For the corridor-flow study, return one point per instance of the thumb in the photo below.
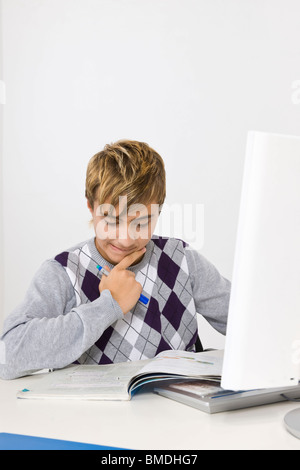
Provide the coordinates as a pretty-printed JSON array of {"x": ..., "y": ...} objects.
[
  {"x": 103, "y": 277},
  {"x": 103, "y": 268}
]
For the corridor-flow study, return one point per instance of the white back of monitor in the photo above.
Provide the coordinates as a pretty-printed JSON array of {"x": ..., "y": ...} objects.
[{"x": 262, "y": 347}]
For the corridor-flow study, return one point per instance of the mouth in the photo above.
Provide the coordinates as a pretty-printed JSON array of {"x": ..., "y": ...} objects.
[{"x": 119, "y": 250}]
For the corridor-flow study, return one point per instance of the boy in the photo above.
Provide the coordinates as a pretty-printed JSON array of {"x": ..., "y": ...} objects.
[{"x": 73, "y": 314}]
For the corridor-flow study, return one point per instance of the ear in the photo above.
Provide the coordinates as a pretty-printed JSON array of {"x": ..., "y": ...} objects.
[{"x": 89, "y": 206}]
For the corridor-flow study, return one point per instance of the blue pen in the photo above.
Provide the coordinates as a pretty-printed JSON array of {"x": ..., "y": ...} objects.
[{"x": 142, "y": 298}]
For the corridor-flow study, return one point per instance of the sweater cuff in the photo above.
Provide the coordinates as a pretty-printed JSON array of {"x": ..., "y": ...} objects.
[{"x": 117, "y": 309}]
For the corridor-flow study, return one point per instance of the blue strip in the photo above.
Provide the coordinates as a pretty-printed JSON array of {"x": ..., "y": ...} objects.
[{"x": 21, "y": 442}]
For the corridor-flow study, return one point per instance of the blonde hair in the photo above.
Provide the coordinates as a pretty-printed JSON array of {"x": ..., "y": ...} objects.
[{"x": 126, "y": 167}]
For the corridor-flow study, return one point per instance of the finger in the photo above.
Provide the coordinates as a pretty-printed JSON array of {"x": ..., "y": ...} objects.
[
  {"x": 129, "y": 259},
  {"x": 105, "y": 270}
]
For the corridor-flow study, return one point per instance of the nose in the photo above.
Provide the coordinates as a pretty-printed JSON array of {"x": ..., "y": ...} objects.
[{"x": 126, "y": 238}]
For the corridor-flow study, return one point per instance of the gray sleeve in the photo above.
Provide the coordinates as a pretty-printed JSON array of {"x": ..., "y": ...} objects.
[
  {"x": 47, "y": 330},
  {"x": 211, "y": 291}
]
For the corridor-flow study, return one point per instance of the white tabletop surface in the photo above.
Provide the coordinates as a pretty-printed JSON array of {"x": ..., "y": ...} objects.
[{"x": 147, "y": 422}]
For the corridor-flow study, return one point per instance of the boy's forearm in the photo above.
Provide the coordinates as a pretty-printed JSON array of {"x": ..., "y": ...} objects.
[
  {"x": 56, "y": 342},
  {"x": 211, "y": 291}
]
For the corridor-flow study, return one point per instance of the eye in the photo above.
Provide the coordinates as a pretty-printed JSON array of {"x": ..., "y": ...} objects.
[
  {"x": 110, "y": 224},
  {"x": 142, "y": 225}
]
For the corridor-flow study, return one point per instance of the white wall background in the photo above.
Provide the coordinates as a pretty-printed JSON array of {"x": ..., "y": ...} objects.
[{"x": 190, "y": 77}]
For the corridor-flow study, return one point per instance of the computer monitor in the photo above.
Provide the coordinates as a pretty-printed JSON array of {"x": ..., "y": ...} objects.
[{"x": 262, "y": 346}]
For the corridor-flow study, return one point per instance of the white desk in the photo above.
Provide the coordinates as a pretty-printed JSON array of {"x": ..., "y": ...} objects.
[{"x": 147, "y": 422}]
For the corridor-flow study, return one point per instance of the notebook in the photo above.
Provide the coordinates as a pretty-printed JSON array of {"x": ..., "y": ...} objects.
[
  {"x": 119, "y": 381},
  {"x": 212, "y": 398}
]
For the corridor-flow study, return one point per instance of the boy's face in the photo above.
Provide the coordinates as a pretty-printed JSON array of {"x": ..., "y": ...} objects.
[{"x": 121, "y": 230}]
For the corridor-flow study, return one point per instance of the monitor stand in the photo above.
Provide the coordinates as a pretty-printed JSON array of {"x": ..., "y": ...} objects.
[{"x": 292, "y": 422}]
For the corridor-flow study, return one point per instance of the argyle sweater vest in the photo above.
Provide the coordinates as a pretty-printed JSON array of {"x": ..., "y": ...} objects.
[{"x": 168, "y": 321}]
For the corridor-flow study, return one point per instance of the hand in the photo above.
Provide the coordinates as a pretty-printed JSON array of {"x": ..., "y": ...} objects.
[{"x": 122, "y": 284}]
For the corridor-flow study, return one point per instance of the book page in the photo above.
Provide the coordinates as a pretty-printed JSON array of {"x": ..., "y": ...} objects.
[
  {"x": 102, "y": 382},
  {"x": 102, "y": 375},
  {"x": 186, "y": 363}
]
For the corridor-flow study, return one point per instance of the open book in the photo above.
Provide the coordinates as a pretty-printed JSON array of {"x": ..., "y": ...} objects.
[{"x": 119, "y": 381}]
